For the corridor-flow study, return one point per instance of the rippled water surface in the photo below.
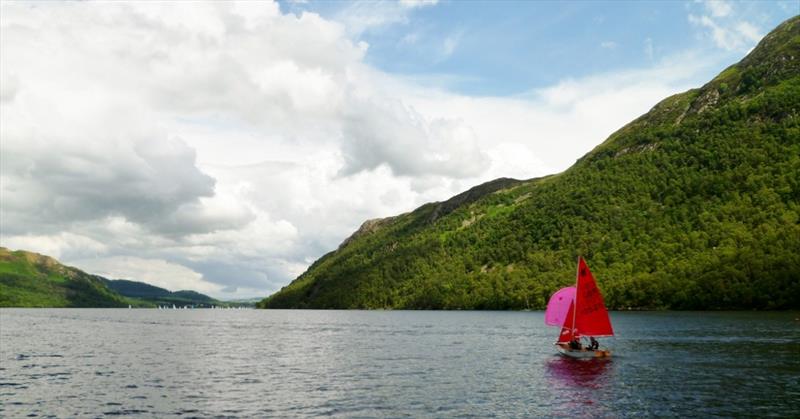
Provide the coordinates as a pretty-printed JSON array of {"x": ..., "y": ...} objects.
[{"x": 254, "y": 363}]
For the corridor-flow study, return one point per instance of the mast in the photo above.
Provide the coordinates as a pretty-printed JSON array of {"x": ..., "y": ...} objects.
[{"x": 577, "y": 279}]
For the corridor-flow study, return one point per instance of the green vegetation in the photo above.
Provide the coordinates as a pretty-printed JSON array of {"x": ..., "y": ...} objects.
[
  {"x": 33, "y": 280},
  {"x": 694, "y": 205}
]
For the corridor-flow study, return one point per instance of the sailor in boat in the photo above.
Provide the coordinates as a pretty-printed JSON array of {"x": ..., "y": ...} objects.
[
  {"x": 593, "y": 343},
  {"x": 575, "y": 345}
]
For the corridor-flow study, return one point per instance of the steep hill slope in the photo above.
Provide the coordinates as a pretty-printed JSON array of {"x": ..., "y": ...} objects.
[
  {"x": 695, "y": 204},
  {"x": 33, "y": 280}
]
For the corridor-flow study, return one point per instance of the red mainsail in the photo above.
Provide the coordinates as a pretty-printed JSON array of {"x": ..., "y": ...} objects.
[{"x": 591, "y": 315}]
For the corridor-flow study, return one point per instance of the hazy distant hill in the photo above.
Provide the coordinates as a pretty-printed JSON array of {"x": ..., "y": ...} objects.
[
  {"x": 157, "y": 295},
  {"x": 695, "y": 204}
]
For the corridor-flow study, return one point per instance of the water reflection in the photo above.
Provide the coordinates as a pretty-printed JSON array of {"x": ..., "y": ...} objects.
[{"x": 591, "y": 373}]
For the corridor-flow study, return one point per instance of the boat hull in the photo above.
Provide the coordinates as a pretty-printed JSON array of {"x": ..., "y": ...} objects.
[{"x": 583, "y": 353}]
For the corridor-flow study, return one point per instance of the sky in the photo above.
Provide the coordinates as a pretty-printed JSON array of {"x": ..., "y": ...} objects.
[{"x": 223, "y": 147}]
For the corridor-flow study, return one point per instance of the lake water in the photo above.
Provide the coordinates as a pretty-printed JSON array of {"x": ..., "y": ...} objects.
[{"x": 256, "y": 363}]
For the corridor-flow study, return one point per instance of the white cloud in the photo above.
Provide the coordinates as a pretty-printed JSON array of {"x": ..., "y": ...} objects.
[
  {"x": 361, "y": 16},
  {"x": 9, "y": 85},
  {"x": 748, "y": 32},
  {"x": 411, "y": 4},
  {"x": 608, "y": 45},
  {"x": 727, "y": 28},
  {"x": 560, "y": 123},
  {"x": 377, "y": 133},
  {"x": 227, "y": 151},
  {"x": 153, "y": 271},
  {"x": 449, "y": 45},
  {"x": 718, "y": 8},
  {"x": 57, "y": 245}
]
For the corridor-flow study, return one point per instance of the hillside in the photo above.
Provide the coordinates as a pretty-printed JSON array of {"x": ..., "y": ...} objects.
[
  {"x": 33, "y": 280},
  {"x": 694, "y": 205}
]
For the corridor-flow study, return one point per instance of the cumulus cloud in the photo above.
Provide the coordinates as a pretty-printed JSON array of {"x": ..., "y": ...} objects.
[
  {"x": 223, "y": 147},
  {"x": 69, "y": 176},
  {"x": 392, "y": 134}
]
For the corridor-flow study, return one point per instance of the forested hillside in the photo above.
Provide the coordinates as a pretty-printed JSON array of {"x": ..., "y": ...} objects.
[{"x": 694, "y": 205}]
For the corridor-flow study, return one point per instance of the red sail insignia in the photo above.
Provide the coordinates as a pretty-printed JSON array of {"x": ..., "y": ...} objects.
[{"x": 566, "y": 330}]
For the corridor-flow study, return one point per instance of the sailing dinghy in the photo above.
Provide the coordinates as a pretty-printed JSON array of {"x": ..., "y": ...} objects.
[{"x": 580, "y": 312}]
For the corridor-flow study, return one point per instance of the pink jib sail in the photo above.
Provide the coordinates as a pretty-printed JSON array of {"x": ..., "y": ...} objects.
[
  {"x": 591, "y": 315},
  {"x": 558, "y": 307}
]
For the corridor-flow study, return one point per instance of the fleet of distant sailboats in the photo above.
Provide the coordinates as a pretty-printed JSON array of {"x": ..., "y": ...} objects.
[{"x": 192, "y": 307}]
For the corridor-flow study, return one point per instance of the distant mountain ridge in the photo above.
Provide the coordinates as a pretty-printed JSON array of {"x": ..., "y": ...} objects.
[
  {"x": 158, "y": 295},
  {"x": 694, "y": 205}
]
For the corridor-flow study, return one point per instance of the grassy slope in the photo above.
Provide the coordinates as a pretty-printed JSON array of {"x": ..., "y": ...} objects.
[
  {"x": 33, "y": 280},
  {"x": 692, "y": 205}
]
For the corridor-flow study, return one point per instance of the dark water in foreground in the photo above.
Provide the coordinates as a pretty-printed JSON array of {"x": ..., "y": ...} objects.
[{"x": 206, "y": 363}]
